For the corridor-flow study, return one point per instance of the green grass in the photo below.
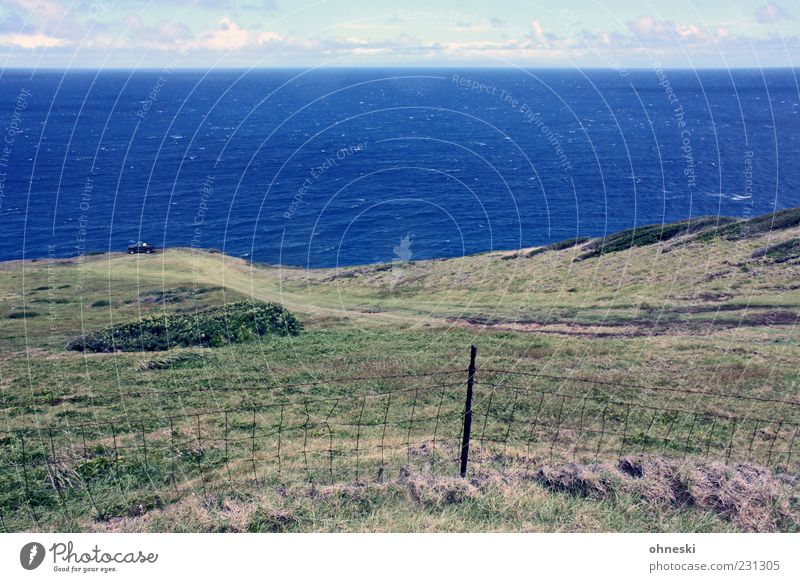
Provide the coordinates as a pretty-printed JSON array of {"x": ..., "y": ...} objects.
[
  {"x": 714, "y": 315},
  {"x": 556, "y": 246},
  {"x": 780, "y": 253}
]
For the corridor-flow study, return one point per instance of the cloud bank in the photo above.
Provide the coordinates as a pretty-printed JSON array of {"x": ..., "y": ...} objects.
[{"x": 114, "y": 33}]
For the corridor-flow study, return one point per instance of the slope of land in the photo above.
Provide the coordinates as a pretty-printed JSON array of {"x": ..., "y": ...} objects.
[{"x": 707, "y": 306}]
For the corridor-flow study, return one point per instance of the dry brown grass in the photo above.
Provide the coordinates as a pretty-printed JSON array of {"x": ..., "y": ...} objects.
[
  {"x": 589, "y": 480},
  {"x": 206, "y": 513},
  {"x": 430, "y": 491},
  {"x": 748, "y": 497}
]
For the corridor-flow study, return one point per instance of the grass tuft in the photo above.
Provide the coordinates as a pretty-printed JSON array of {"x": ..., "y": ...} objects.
[{"x": 172, "y": 361}]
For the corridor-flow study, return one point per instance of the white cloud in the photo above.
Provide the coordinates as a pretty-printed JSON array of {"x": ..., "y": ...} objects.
[
  {"x": 46, "y": 17},
  {"x": 227, "y": 36},
  {"x": 367, "y": 26},
  {"x": 269, "y": 37},
  {"x": 770, "y": 13},
  {"x": 41, "y": 12},
  {"x": 532, "y": 42},
  {"x": 649, "y": 30},
  {"x": 165, "y": 33},
  {"x": 32, "y": 41}
]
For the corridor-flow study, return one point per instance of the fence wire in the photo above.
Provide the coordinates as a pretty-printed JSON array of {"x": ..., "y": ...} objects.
[{"x": 61, "y": 474}]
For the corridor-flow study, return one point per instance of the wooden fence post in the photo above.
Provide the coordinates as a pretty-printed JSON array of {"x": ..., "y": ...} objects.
[{"x": 468, "y": 412}]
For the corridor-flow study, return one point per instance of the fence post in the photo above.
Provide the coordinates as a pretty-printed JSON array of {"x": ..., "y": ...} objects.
[{"x": 468, "y": 412}]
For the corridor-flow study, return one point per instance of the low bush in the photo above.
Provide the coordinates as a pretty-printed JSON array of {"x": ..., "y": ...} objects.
[
  {"x": 211, "y": 327},
  {"x": 654, "y": 233},
  {"x": 742, "y": 229}
]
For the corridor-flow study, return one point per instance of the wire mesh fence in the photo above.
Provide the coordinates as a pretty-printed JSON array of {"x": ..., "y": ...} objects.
[{"x": 514, "y": 420}]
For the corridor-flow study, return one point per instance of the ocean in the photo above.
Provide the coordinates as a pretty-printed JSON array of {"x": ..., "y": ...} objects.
[{"x": 334, "y": 167}]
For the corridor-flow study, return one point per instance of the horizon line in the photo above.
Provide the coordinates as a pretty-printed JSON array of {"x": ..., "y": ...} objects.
[{"x": 402, "y": 67}]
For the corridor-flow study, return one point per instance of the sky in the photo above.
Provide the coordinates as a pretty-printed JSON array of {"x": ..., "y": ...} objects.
[{"x": 379, "y": 33}]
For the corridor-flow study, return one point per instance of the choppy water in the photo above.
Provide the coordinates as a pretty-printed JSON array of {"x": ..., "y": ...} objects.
[{"x": 353, "y": 166}]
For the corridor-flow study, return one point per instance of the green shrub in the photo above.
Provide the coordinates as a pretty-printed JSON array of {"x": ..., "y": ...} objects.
[
  {"x": 211, "y": 327},
  {"x": 653, "y": 233},
  {"x": 100, "y": 303},
  {"x": 742, "y": 229}
]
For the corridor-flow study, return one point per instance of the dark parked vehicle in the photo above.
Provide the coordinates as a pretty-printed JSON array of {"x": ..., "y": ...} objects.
[{"x": 141, "y": 247}]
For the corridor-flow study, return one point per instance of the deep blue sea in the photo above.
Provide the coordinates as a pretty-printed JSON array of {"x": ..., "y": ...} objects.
[{"x": 338, "y": 167}]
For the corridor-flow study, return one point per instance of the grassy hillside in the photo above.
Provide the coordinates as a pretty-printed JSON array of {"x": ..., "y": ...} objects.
[{"x": 706, "y": 307}]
